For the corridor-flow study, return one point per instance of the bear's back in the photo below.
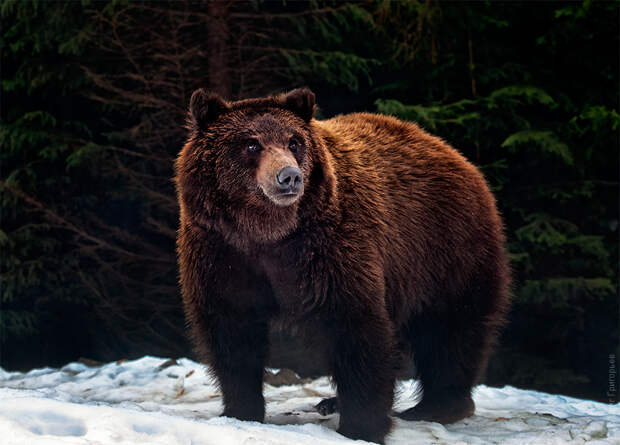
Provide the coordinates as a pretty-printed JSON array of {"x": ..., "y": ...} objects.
[
  {"x": 401, "y": 162},
  {"x": 385, "y": 140}
]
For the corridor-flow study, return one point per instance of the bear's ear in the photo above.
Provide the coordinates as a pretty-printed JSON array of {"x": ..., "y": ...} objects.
[
  {"x": 206, "y": 107},
  {"x": 300, "y": 101}
]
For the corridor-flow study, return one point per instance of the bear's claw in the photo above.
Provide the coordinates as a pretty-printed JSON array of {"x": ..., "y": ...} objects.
[{"x": 327, "y": 406}]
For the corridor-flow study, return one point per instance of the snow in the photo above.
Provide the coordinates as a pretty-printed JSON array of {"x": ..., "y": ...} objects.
[{"x": 146, "y": 401}]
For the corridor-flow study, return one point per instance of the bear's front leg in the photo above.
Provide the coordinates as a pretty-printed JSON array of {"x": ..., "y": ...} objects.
[
  {"x": 228, "y": 305},
  {"x": 238, "y": 349},
  {"x": 364, "y": 371}
]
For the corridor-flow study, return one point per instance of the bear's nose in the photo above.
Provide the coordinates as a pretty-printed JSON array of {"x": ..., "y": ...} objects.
[{"x": 289, "y": 179}]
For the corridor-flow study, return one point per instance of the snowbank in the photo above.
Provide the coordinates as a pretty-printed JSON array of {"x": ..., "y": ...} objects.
[{"x": 146, "y": 401}]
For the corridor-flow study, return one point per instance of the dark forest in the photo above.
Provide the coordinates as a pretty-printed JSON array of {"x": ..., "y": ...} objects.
[{"x": 94, "y": 102}]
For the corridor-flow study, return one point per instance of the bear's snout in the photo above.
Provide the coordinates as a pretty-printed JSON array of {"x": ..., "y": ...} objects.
[
  {"x": 279, "y": 176},
  {"x": 289, "y": 180}
]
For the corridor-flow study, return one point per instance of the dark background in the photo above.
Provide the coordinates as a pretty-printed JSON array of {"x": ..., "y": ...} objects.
[{"x": 94, "y": 96}]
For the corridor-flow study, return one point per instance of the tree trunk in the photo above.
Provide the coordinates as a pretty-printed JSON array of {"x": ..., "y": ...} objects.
[{"x": 217, "y": 45}]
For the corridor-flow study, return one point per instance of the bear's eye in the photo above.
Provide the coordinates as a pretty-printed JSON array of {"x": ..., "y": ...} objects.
[
  {"x": 293, "y": 145},
  {"x": 252, "y": 146}
]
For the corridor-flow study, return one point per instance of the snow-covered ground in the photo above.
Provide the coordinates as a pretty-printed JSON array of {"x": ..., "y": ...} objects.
[{"x": 155, "y": 401}]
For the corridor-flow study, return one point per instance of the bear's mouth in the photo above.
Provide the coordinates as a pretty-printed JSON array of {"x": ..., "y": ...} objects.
[
  {"x": 284, "y": 199},
  {"x": 281, "y": 198}
]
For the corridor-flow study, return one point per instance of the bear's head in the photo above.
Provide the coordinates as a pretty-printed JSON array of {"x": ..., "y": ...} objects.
[{"x": 248, "y": 164}]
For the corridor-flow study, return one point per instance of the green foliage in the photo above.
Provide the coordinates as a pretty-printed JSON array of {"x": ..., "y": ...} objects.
[
  {"x": 18, "y": 323},
  {"x": 333, "y": 67},
  {"x": 564, "y": 292},
  {"x": 322, "y": 47},
  {"x": 41, "y": 180},
  {"x": 429, "y": 116},
  {"x": 546, "y": 140}
]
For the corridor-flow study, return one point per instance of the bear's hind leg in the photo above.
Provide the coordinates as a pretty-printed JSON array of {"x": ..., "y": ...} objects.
[{"x": 450, "y": 353}]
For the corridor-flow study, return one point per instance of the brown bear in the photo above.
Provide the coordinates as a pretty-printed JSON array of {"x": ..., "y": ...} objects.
[{"x": 365, "y": 234}]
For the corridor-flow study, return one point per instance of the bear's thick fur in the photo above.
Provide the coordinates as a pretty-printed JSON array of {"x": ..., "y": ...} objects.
[{"x": 363, "y": 233}]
